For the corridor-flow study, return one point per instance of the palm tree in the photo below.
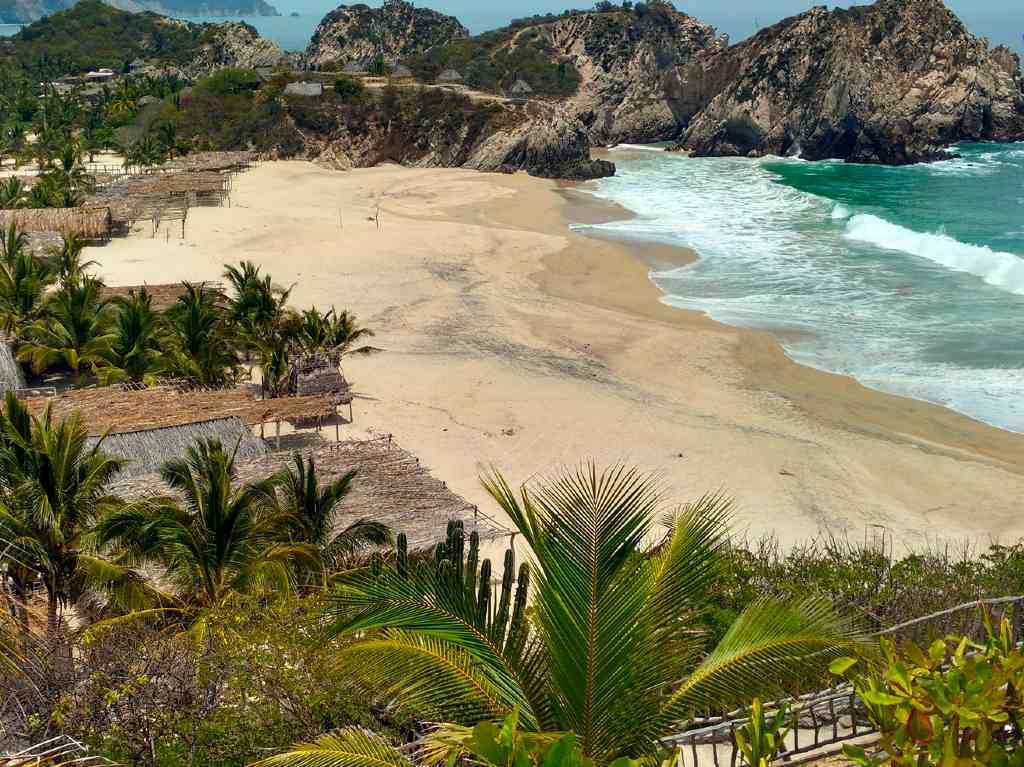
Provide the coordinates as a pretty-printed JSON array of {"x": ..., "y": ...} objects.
[
  {"x": 614, "y": 652},
  {"x": 68, "y": 177},
  {"x": 255, "y": 306},
  {"x": 315, "y": 507},
  {"x": 13, "y": 193},
  {"x": 55, "y": 490},
  {"x": 329, "y": 331},
  {"x": 23, "y": 283},
  {"x": 13, "y": 243},
  {"x": 198, "y": 337},
  {"x": 226, "y": 541},
  {"x": 135, "y": 353},
  {"x": 67, "y": 261},
  {"x": 74, "y": 333}
]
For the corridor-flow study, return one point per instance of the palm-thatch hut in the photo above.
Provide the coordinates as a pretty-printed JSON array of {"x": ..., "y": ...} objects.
[
  {"x": 89, "y": 223},
  {"x": 401, "y": 72},
  {"x": 391, "y": 486},
  {"x": 146, "y": 450},
  {"x": 449, "y": 77}
]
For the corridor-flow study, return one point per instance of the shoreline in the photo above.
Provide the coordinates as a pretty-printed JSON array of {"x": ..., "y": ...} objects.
[
  {"x": 770, "y": 368},
  {"x": 511, "y": 341}
]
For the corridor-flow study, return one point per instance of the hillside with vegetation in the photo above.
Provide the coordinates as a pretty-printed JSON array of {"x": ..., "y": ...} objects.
[{"x": 27, "y": 11}]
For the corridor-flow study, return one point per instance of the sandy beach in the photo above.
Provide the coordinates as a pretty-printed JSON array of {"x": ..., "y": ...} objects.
[{"x": 508, "y": 340}]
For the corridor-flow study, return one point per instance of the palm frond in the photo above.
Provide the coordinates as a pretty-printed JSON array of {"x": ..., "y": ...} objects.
[{"x": 349, "y": 747}]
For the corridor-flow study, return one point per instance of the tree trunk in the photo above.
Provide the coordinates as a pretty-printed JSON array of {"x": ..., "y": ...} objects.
[
  {"x": 21, "y": 607},
  {"x": 52, "y": 623}
]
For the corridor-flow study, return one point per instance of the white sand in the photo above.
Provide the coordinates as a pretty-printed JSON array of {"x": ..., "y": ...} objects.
[{"x": 510, "y": 341}]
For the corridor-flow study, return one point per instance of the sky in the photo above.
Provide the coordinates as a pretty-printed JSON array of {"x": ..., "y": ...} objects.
[{"x": 1002, "y": 21}]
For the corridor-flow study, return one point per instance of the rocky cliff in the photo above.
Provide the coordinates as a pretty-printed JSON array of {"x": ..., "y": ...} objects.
[
  {"x": 358, "y": 33},
  {"x": 894, "y": 82},
  {"x": 232, "y": 44},
  {"x": 437, "y": 128},
  {"x": 629, "y": 65}
]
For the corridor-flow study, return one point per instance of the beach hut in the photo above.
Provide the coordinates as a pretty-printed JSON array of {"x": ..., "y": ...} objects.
[
  {"x": 520, "y": 90},
  {"x": 401, "y": 72},
  {"x": 449, "y": 77},
  {"x": 89, "y": 223},
  {"x": 306, "y": 89}
]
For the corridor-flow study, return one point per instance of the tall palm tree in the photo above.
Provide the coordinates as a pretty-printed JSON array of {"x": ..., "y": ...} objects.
[
  {"x": 23, "y": 283},
  {"x": 200, "y": 349},
  {"x": 75, "y": 332},
  {"x": 227, "y": 540},
  {"x": 135, "y": 353},
  {"x": 55, "y": 490},
  {"x": 13, "y": 243},
  {"x": 13, "y": 193},
  {"x": 315, "y": 507},
  {"x": 614, "y": 651}
]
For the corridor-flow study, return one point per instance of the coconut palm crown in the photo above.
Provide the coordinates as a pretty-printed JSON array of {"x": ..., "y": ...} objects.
[{"x": 614, "y": 650}]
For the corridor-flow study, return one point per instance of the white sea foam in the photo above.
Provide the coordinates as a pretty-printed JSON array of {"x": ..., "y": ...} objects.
[
  {"x": 639, "y": 147},
  {"x": 1002, "y": 270},
  {"x": 840, "y": 212}
]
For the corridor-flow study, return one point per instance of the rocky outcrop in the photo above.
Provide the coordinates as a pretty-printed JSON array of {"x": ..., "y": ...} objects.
[
  {"x": 232, "y": 44},
  {"x": 632, "y": 67},
  {"x": 895, "y": 82},
  {"x": 442, "y": 129},
  {"x": 358, "y": 33}
]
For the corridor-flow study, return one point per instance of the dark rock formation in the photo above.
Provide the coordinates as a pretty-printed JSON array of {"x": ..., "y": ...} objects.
[
  {"x": 895, "y": 82},
  {"x": 358, "y": 33},
  {"x": 436, "y": 128}
]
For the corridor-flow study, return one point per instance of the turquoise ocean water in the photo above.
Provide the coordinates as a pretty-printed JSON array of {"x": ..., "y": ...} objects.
[{"x": 909, "y": 279}]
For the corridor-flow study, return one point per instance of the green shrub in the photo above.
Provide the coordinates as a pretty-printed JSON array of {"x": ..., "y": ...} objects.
[
  {"x": 348, "y": 88},
  {"x": 956, "y": 704},
  {"x": 229, "y": 81}
]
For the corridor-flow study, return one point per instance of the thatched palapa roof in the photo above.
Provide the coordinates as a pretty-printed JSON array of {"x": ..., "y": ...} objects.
[
  {"x": 90, "y": 223},
  {"x": 121, "y": 411},
  {"x": 391, "y": 486},
  {"x": 450, "y": 76},
  {"x": 146, "y": 451},
  {"x": 210, "y": 161}
]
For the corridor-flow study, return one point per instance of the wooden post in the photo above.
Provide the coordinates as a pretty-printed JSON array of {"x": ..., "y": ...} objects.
[
  {"x": 337, "y": 435},
  {"x": 278, "y": 429},
  {"x": 351, "y": 418}
]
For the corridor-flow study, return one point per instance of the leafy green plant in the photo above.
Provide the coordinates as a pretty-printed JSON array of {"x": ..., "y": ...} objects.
[
  {"x": 762, "y": 738},
  {"x": 956, "y": 705},
  {"x": 613, "y": 652}
]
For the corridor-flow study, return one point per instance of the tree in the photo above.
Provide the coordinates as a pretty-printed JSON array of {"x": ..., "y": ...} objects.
[
  {"x": 144, "y": 153},
  {"x": 75, "y": 331},
  {"x": 314, "y": 509},
  {"x": 13, "y": 193},
  {"x": 135, "y": 353},
  {"x": 613, "y": 652},
  {"x": 199, "y": 350},
  {"x": 68, "y": 265},
  {"x": 225, "y": 541},
  {"x": 13, "y": 244},
  {"x": 55, "y": 490},
  {"x": 23, "y": 283},
  {"x": 329, "y": 331}
]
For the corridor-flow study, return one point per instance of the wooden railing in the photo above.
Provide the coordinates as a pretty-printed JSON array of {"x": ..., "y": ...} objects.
[{"x": 828, "y": 718}]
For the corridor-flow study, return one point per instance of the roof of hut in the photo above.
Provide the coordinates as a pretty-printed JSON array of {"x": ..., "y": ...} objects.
[
  {"x": 391, "y": 486},
  {"x": 211, "y": 161},
  {"x": 449, "y": 76},
  {"x": 304, "y": 89},
  {"x": 163, "y": 296},
  {"x": 91, "y": 223},
  {"x": 520, "y": 88},
  {"x": 119, "y": 411},
  {"x": 146, "y": 451}
]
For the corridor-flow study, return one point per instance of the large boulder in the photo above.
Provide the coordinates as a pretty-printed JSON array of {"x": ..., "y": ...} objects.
[
  {"x": 358, "y": 33},
  {"x": 895, "y": 82}
]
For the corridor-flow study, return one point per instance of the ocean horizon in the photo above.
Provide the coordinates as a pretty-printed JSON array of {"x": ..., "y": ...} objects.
[{"x": 910, "y": 280}]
